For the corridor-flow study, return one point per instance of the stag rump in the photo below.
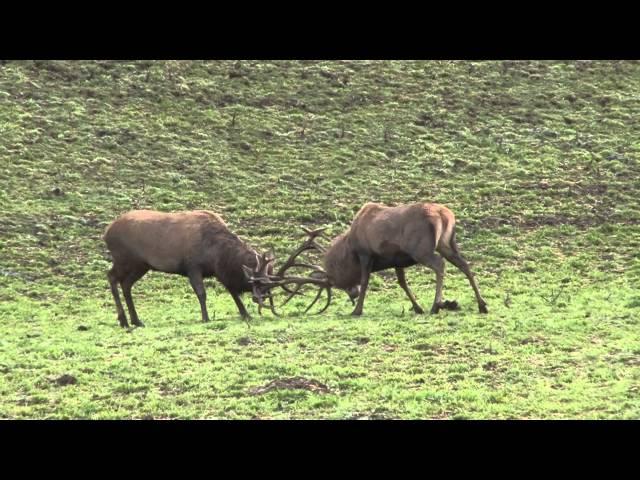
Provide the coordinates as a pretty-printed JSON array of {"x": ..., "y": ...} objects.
[
  {"x": 382, "y": 237},
  {"x": 194, "y": 244}
]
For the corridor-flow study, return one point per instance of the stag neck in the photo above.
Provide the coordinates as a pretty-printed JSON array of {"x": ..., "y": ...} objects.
[{"x": 245, "y": 258}]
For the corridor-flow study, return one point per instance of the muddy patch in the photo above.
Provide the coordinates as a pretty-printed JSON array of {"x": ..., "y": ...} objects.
[
  {"x": 450, "y": 305},
  {"x": 491, "y": 365},
  {"x": 65, "y": 380},
  {"x": 293, "y": 383}
]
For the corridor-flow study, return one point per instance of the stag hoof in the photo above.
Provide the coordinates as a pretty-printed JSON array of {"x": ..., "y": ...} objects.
[
  {"x": 435, "y": 309},
  {"x": 417, "y": 309},
  {"x": 123, "y": 322},
  {"x": 483, "y": 309},
  {"x": 138, "y": 323},
  {"x": 355, "y": 313}
]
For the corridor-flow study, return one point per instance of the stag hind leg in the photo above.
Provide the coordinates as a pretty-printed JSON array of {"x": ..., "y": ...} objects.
[
  {"x": 452, "y": 254},
  {"x": 403, "y": 283},
  {"x": 134, "y": 274},
  {"x": 435, "y": 263},
  {"x": 116, "y": 277}
]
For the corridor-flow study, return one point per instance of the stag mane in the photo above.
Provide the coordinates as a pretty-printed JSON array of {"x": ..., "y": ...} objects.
[{"x": 236, "y": 252}]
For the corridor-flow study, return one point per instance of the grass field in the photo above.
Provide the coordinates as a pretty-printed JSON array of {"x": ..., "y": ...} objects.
[{"x": 539, "y": 161}]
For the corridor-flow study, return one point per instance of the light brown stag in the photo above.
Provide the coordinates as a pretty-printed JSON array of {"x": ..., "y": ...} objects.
[
  {"x": 195, "y": 244},
  {"x": 381, "y": 237}
]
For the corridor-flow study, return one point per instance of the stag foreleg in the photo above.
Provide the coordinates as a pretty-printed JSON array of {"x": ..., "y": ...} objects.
[
  {"x": 113, "y": 281},
  {"x": 366, "y": 264},
  {"x": 241, "y": 308},
  {"x": 195, "y": 278},
  {"x": 132, "y": 277}
]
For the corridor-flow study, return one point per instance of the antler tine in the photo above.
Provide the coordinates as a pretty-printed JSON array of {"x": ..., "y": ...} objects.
[
  {"x": 265, "y": 282},
  {"x": 315, "y": 268},
  {"x": 292, "y": 259},
  {"x": 300, "y": 282},
  {"x": 320, "y": 290},
  {"x": 328, "y": 301},
  {"x": 272, "y": 306},
  {"x": 297, "y": 280},
  {"x": 328, "y": 289},
  {"x": 292, "y": 294},
  {"x": 317, "y": 246},
  {"x": 309, "y": 244},
  {"x": 313, "y": 233}
]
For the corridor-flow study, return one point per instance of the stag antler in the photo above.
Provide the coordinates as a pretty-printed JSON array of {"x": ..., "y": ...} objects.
[
  {"x": 265, "y": 282},
  {"x": 309, "y": 244},
  {"x": 261, "y": 272},
  {"x": 300, "y": 281}
]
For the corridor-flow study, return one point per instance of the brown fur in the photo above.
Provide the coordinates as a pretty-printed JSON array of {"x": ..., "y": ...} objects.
[
  {"x": 195, "y": 244},
  {"x": 382, "y": 237}
]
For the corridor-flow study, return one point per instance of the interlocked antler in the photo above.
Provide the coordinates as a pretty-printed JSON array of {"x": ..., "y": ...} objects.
[
  {"x": 261, "y": 271},
  {"x": 309, "y": 244},
  {"x": 264, "y": 283}
]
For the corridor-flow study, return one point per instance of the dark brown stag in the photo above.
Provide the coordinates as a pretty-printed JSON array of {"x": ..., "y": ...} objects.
[
  {"x": 194, "y": 244},
  {"x": 382, "y": 237}
]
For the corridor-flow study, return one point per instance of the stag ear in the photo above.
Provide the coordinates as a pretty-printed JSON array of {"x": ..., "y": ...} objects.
[{"x": 248, "y": 272}]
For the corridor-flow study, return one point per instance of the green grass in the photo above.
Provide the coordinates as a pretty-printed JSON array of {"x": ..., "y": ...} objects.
[{"x": 539, "y": 161}]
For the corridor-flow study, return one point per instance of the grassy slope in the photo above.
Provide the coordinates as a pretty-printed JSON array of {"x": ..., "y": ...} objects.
[{"x": 539, "y": 161}]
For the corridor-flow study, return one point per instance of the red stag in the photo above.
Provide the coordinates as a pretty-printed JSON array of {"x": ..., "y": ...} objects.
[
  {"x": 194, "y": 244},
  {"x": 382, "y": 237}
]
